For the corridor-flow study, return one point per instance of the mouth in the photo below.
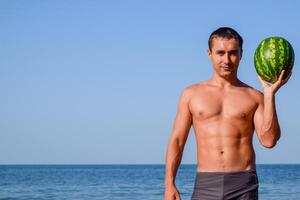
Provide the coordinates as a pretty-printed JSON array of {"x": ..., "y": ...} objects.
[{"x": 226, "y": 68}]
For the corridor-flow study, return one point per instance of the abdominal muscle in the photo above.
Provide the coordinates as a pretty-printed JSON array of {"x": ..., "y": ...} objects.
[{"x": 224, "y": 145}]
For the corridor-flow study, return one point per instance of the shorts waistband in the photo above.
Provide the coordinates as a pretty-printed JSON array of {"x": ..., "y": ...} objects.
[{"x": 251, "y": 171}]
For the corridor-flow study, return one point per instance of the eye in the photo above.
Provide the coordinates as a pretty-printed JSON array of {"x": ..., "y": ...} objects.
[
  {"x": 220, "y": 53},
  {"x": 234, "y": 53}
]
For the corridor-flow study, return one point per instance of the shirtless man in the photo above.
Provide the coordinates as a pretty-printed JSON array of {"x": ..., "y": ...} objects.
[{"x": 224, "y": 112}]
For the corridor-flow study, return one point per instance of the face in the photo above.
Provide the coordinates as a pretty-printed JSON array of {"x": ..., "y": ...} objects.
[{"x": 225, "y": 55}]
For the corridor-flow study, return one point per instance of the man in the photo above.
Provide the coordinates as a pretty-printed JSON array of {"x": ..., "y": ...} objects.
[{"x": 224, "y": 113}]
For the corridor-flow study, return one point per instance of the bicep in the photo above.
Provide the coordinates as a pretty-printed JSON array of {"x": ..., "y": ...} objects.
[
  {"x": 258, "y": 118},
  {"x": 183, "y": 118}
]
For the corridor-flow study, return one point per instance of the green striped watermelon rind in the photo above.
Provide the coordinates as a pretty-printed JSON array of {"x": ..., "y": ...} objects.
[{"x": 269, "y": 69}]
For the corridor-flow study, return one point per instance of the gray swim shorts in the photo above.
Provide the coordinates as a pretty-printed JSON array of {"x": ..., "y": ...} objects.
[{"x": 226, "y": 185}]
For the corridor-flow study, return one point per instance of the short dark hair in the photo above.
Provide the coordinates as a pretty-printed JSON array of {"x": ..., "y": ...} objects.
[{"x": 225, "y": 32}]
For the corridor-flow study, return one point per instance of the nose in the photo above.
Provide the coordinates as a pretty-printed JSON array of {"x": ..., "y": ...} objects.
[{"x": 226, "y": 58}]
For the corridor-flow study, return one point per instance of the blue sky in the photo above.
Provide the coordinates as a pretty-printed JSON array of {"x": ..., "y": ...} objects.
[{"x": 97, "y": 82}]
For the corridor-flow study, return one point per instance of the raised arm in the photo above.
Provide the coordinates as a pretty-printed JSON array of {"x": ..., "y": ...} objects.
[
  {"x": 265, "y": 118},
  {"x": 266, "y": 122},
  {"x": 176, "y": 144}
]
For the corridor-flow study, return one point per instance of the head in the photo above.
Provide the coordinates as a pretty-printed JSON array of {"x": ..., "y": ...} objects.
[
  {"x": 226, "y": 33},
  {"x": 225, "y": 51}
]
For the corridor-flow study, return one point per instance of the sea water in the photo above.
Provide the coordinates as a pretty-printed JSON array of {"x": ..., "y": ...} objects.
[{"x": 114, "y": 182}]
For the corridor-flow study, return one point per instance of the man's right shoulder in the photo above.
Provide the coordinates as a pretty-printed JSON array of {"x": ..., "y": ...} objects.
[
  {"x": 190, "y": 90},
  {"x": 196, "y": 87}
]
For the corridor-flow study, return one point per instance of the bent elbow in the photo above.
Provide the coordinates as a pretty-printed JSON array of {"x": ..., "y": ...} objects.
[
  {"x": 269, "y": 145},
  {"x": 269, "y": 142}
]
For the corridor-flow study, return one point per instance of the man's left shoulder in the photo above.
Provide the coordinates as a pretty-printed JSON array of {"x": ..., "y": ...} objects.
[{"x": 254, "y": 93}]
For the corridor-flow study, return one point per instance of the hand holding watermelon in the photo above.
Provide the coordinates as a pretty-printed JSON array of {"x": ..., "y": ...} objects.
[
  {"x": 274, "y": 60},
  {"x": 272, "y": 88}
]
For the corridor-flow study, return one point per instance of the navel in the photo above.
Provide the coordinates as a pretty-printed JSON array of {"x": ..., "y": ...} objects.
[{"x": 243, "y": 115}]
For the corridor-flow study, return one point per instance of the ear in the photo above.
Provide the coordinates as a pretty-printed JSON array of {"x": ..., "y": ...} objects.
[
  {"x": 241, "y": 55},
  {"x": 209, "y": 53}
]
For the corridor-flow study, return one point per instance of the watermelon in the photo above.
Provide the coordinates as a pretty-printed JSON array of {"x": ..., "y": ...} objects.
[{"x": 273, "y": 55}]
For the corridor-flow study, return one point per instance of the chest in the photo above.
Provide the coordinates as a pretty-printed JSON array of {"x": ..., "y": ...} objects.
[{"x": 232, "y": 105}]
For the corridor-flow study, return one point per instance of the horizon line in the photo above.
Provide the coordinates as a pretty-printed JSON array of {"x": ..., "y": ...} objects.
[{"x": 1, "y": 164}]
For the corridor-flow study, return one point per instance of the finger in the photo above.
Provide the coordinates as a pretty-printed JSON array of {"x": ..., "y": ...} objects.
[
  {"x": 261, "y": 81},
  {"x": 264, "y": 83},
  {"x": 286, "y": 78},
  {"x": 281, "y": 76},
  {"x": 278, "y": 83},
  {"x": 279, "y": 80}
]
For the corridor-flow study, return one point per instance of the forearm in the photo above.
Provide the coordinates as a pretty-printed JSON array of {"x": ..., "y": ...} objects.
[
  {"x": 173, "y": 159},
  {"x": 270, "y": 128}
]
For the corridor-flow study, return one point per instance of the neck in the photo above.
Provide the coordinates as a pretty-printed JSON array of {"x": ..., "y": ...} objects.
[{"x": 225, "y": 82}]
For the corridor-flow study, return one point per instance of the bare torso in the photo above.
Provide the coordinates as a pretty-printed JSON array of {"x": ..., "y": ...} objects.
[{"x": 222, "y": 120}]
